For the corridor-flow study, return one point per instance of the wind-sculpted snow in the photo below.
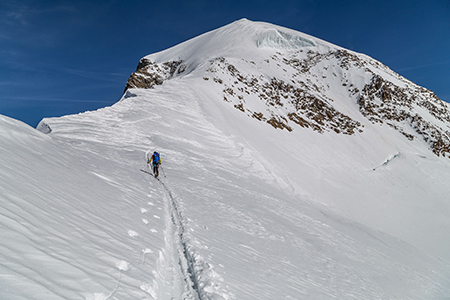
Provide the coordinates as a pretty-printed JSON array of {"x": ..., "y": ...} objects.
[
  {"x": 66, "y": 219},
  {"x": 284, "y": 41},
  {"x": 241, "y": 210},
  {"x": 234, "y": 224}
]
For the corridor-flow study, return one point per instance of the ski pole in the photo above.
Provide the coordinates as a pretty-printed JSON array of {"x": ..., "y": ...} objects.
[{"x": 164, "y": 173}]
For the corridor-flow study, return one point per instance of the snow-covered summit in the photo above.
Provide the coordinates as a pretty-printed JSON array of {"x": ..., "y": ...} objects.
[
  {"x": 240, "y": 39},
  {"x": 292, "y": 169},
  {"x": 288, "y": 79}
]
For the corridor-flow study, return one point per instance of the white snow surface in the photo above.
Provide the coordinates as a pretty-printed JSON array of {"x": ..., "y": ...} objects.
[
  {"x": 242, "y": 39},
  {"x": 241, "y": 211}
]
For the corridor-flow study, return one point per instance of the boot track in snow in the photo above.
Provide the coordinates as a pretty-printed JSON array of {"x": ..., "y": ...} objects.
[
  {"x": 195, "y": 274},
  {"x": 184, "y": 260}
]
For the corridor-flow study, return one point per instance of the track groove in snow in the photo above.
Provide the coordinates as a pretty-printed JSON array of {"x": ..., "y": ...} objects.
[
  {"x": 184, "y": 260},
  {"x": 192, "y": 266}
]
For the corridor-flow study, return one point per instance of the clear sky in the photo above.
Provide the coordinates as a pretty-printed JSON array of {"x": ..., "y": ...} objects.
[{"x": 62, "y": 57}]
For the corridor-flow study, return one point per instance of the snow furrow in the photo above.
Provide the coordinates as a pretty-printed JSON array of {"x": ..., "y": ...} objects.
[
  {"x": 200, "y": 280},
  {"x": 185, "y": 261}
]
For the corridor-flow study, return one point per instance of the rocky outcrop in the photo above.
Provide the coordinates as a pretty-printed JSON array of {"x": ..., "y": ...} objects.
[
  {"x": 383, "y": 102},
  {"x": 149, "y": 74},
  {"x": 289, "y": 105}
]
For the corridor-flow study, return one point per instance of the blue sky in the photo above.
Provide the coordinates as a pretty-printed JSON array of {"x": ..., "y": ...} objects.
[{"x": 63, "y": 57}]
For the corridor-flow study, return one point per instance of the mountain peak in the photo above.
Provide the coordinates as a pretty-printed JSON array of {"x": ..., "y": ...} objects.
[
  {"x": 291, "y": 81},
  {"x": 241, "y": 38},
  {"x": 292, "y": 168}
]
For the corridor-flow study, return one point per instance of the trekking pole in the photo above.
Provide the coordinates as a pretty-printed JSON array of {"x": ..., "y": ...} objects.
[{"x": 164, "y": 173}]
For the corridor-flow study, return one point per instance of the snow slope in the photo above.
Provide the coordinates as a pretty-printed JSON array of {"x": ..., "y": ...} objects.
[{"x": 242, "y": 210}]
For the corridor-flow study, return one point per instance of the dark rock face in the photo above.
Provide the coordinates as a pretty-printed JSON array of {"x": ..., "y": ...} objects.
[
  {"x": 289, "y": 105},
  {"x": 149, "y": 74},
  {"x": 383, "y": 102}
]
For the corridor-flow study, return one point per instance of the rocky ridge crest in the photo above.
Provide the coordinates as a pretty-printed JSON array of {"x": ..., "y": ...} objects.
[{"x": 148, "y": 74}]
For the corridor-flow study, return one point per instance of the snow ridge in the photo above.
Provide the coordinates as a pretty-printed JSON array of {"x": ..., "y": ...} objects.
[{"x": 248, "y": 210}]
